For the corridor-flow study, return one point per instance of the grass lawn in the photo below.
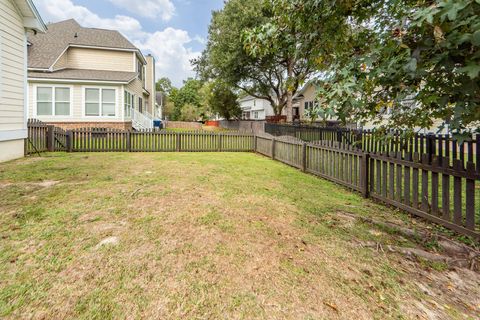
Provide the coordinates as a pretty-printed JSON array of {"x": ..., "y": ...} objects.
[{"x": 205, "y": 236}]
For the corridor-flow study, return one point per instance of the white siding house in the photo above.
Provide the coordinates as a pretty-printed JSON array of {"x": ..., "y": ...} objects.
[
  {"x": 17, "y": 17},
  {"x": 88, "y": 77},
  {"x": 255, "y": 109}
]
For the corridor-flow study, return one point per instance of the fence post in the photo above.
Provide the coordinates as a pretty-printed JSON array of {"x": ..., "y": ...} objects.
[
  {"x": 304, "y": 156},
  {"x": 178, "y": 142},
  {"x": 364, "y": 175},
  {"x": 69, "y": 141},
  {"x": 255, "y": 143},
  {"x": 128, "y": 141},
  {"x": 273, "y": 148},
  {"x": 50, "y": 138}
]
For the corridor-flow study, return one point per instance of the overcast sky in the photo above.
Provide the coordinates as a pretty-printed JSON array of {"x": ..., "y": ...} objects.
[{"x": 174, "y": 31}]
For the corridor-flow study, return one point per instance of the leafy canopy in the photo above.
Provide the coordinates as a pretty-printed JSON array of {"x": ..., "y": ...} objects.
[
  {"x": 228, "y": 59},
  {"x": 416, "y": 61}
]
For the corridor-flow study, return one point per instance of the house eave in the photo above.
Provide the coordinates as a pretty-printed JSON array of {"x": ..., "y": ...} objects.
[
  {"x": 32, "y": 79},
  {"x": 35, "y": 22}
]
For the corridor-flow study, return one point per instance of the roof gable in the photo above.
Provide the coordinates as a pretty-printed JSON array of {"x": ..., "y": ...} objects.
[{"x": 46, "y": 48}]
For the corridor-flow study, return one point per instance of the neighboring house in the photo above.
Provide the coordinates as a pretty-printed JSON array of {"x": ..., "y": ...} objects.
[
  {"x": 255, "y": 108},
  {"x": 86, "y": 77},
  {"x": 17, "y": 17},
  {"x": 303, "y": 100},
  {"x": 160, "y": 102}
]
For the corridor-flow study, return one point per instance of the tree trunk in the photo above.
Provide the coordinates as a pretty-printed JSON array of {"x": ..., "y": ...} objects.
[
  {"x": 277, "y": 110},
  {"x": 289, "y": 92}
]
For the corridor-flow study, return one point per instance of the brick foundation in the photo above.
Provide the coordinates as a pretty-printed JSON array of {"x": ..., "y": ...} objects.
[{"x": 81, "y": 125}]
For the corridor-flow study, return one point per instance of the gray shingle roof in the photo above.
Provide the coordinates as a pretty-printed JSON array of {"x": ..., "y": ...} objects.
[
  {"x": 88, "y": 75},
  {"x": 46, "y": 47}
]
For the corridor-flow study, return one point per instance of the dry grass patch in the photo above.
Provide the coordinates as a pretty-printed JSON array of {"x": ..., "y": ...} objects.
[{"x": 205, "y": 236}]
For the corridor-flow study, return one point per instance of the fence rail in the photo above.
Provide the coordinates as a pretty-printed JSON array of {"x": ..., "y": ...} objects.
[
  {"x": 435, "y": 186},
  {"x": 440, "y": 145}
]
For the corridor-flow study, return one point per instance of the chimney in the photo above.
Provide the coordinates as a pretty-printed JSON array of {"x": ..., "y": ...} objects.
[{"x": 150, "y": 82}]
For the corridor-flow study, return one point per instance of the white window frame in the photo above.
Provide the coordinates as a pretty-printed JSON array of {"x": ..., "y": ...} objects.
[
  {"x": 131, "y": 105},
  {"x": 52, "y": 87},
  {"x": 100, "y": 116}
]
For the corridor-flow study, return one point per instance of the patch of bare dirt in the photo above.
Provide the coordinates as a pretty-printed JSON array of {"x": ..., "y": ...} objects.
[
  {"x": 41, "y": 184},
  {"x": 448, "y": 277},
  {"x": 443, "y": 292}
]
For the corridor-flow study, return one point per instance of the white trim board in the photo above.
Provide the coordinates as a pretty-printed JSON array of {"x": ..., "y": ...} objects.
[
  {"x": 79, "y": 81},
  {"x": 8, "y": 135}
]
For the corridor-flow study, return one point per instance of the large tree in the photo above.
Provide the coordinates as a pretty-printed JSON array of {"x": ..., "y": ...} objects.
[
  {"x": 301, "y": 43},
  {"x": 228, "y": 57}
]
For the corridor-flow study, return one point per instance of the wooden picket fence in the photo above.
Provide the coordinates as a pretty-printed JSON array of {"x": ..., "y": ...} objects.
[
  {"x": 108, "y": 140},
  {"x": 433, "y": 189},
  {"x": 441, "y": 189},
  {"x": 37, "y": 137},
  {"x": 440, "y": 145},
  {"x": 43, "y": 137}
]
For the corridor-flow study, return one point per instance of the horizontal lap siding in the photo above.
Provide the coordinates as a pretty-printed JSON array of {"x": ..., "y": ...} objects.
[
  {"x": 12, "y": 50},
  {"x": 62, "y": 62},
  {"x": 95, "y": 59},
  {"x": 136, "y": 87}
]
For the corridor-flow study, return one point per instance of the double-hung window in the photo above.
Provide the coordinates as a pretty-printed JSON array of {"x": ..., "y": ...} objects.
[
  {"x": 53, "y": 101},
  {"x": 128, "y": 103},
  {"x": 99, "y": 102}
]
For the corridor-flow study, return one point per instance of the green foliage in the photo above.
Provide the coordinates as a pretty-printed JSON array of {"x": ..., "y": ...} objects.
[
  {"x": 397, "y": 63},
  {"x": 223, "y": 101},
  {"x": 198, "y": 100},
  {"x": 418, "y": 60},
  {"x": 189, "y": 112},
  {"x": 187, "y": 97},
  {"x": 226, "y": 59},
  {"x": 280, "y": 36},
  {"x": 164, "y": 85}
]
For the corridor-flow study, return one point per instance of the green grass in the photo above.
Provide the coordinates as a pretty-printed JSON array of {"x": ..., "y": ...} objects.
[{"x": 200, "y": 236}]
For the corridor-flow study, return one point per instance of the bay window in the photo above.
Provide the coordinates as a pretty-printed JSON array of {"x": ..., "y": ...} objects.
[
  {"x": 99, "y": 102},
  {"x": 53, "y": 101}
]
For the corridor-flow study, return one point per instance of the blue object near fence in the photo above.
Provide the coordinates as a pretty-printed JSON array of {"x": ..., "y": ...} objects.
[{"x": 158, "y": 124}]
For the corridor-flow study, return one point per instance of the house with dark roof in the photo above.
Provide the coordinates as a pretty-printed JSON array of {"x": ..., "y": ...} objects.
[
  {"x": 87, "y": 77},
  {"x": 17, "y": 18}
]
